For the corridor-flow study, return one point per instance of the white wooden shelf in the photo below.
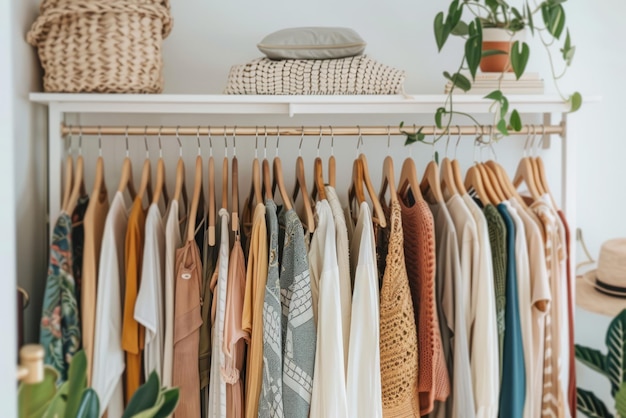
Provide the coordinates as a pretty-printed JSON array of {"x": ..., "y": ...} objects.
[{"x": 287, "y": 105}]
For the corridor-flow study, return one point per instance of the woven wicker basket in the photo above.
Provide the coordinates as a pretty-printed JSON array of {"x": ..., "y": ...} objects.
[{"x": 101, "y": 46}]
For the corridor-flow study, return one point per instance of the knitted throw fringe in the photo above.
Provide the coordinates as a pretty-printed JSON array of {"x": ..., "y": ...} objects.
[
  {"x": 354, "y": 75},
  {"x": 109, "y": 46}
]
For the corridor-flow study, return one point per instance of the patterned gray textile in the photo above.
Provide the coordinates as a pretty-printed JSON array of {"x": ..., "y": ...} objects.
[
  {"x": 271, "y": 397},
  {"x": 289, "y": 336},
  {"x": 298, "y": 326}
]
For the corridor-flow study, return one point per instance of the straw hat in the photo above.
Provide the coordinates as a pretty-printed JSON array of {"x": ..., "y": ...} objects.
[{"x": 603, "y": 289}]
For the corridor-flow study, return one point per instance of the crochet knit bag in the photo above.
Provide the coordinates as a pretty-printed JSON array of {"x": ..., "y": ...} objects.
[{"x": 101, "y": 46}]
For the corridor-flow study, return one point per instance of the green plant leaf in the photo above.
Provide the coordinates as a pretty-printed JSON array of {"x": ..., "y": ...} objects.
[
  {"x": 436, "y": 157},
  {"x": 145, "y": 396},
  {"x": 529, "y": 15},
  {"x": 554, "y": 18},
  {"x": 620, "y": 401},
  {"x": 576, "y": 101},
  {"x": 616, "y": 356},
  {"x": 519, "y": 58},
  {"x": 34, "y": 398},
  {"x": 589, "y": 404},
  {"x": 412, "y": 138},
  {"x": 504, "y": 106},
  {"x": 438, "y": 116},
  {"x": 568, "y": 50},
  {"x": 441, "y": 33},
  {"x": 516, "y": 13},
  {"x": 496, "y": 95},
  {"x": 77, "y": 380},
  {"x": 591, "y": 358},
  {"x": 490, "y": 52},
  {"x": 474, "y": 47},
  {"x": 459, "y": 80},
  {"x": 454, "y": 15},
  {"x": 461, "y": 29},
  {"x": 515, "y": 121},
  {"x": 502, "y": 127},
  {"x": 89, "y": 406},
  {"x": 170, "y": 401}
]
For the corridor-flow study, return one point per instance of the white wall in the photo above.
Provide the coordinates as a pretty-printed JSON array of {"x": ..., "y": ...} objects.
[
  {"x": 209, "y": 37},
  {"x": 7, "y": 221}
]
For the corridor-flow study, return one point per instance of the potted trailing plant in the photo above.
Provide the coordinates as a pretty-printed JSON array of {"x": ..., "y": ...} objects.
[
  {"x": 494, "y": 35},
  {"x": 73, "y": 399},
  {"x": 612, "y": 365}
]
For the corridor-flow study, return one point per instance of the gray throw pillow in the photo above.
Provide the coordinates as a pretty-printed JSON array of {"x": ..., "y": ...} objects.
[{"x": 312, "y": 43}]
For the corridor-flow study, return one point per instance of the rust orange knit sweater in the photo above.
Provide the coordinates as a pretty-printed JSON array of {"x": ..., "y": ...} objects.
[{"x": 419, "y": 253}]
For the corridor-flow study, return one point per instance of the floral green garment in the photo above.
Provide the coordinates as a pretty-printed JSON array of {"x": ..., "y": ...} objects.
[{"x": 60, "y": 328}]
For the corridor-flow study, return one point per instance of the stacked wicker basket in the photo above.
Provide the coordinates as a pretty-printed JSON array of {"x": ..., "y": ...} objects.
[{"x": 102, "y": 46}]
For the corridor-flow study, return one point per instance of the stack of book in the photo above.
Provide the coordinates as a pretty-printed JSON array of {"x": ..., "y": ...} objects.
[{"x": 485, "y": 83}]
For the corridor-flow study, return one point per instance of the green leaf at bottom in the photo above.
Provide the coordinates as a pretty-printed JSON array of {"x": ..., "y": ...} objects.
[
  {"x": 515, "y": 121},
  {"x": 620, "y": 401},
  {"x": 576, "y": 101},
  {"x": 589, "y": 404}
]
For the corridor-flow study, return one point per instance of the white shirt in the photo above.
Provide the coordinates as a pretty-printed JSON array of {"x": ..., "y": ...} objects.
[
  {"x": 483, "y": 335},
  {"x": 217, "y": 385},
  {"x": 108, "y": 356},
  {"x": 525, "y": 304},
  {"x": 172, "y": 243},
  {"x": 149, "y": 303},
  {"x": 540, "y": 303},
  {"x": 329, "y": 388},
  {"x": 364, "y": 390}
]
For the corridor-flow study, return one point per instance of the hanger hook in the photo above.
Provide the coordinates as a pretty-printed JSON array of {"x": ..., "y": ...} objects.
[
  {"x": 388, "y": 139},
  {"x": 456, "y": 147},
  {"x": 541, "y": 138},
  {"x": 208, "y": 128},
  {"x": 256, "y": 142},
  {"x": 448, "y": 140},
  {"x": 145, "y": 139},
  {"x": 100, "y": 143},
  {"x": 234, "y": 141},
  {"x": 319, "y": 141},
  {"x": 277, "y": 139},
  {"x": 332, "y": 141},
  {"x": 180, "y": 144},
  {"x": 359, "y": 141},
  {"x": 301, "y": 139}
]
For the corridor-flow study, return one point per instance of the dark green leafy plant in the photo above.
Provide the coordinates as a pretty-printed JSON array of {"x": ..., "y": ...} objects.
[
  {"x": 466, "y": 19},
  {"x": 612, "y": 365},
  {"x": 73, "y": 399}
]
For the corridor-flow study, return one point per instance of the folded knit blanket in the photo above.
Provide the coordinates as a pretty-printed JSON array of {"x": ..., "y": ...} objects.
[{"x": 353, "y": 75}]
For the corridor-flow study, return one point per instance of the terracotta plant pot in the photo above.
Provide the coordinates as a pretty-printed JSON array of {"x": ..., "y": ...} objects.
[{"x": 498, "y": 39}]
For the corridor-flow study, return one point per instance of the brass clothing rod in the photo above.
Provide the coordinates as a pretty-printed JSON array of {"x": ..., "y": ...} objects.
[{"x": 76, "y": 130}]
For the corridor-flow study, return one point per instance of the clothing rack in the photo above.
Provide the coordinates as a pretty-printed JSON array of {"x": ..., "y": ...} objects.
[{"x": 476, "y": 130}]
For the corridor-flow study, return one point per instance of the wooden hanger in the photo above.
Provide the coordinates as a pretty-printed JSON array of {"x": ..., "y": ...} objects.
[
  {"x": 525, "y": 173},
  {"x": 300, "y": 184},
  {"x": 268, "y": 194},
  {"x": 195, "y": 200},
  {"x": 69, "y": 177},
  {"x": 379, "y": 214},
  {"x": 332, "y": 165},
  {"x": 126, "y": 179},
  {"x": 473, "y": 180},
  {"x": 543, "y": 179},
  {"x": 388, "y": 181},
  {"x": 180, "y": 187},
  {"x": 458, "y": 177},
  {"x": 224, "y": 204},
  {"x": 318, "y": 175},
  {"x": 235, "y": 194},
  {"x": 212, "y": 204},
  {"x": 99, "y": 185},
  {"x": 278, "y": 179},
  {"x": 78, "y": 187},
  {"x": 255, "y": 195},
  {"x": 409, "y": 181},
  {"x": 146, "y": 182},
  {"x": 447, "y": 177},
  {"x": 491, "y": 184},
  {"x": 160, "y": 186},
  {"x": 318, "y": 180},
  {"x": 431, "y": 182},
  {"x": 355, "y": 191}
]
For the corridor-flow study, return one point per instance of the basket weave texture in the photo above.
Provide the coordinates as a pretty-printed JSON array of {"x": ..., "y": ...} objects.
[
  {"x": 354, "y": 75},
  {"x": 101, "y": 46}
]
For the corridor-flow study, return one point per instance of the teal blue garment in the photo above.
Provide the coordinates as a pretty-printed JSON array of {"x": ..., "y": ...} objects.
[
  {"x": 60, "y": 329},
  {"x": 513, "y": 388}
]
